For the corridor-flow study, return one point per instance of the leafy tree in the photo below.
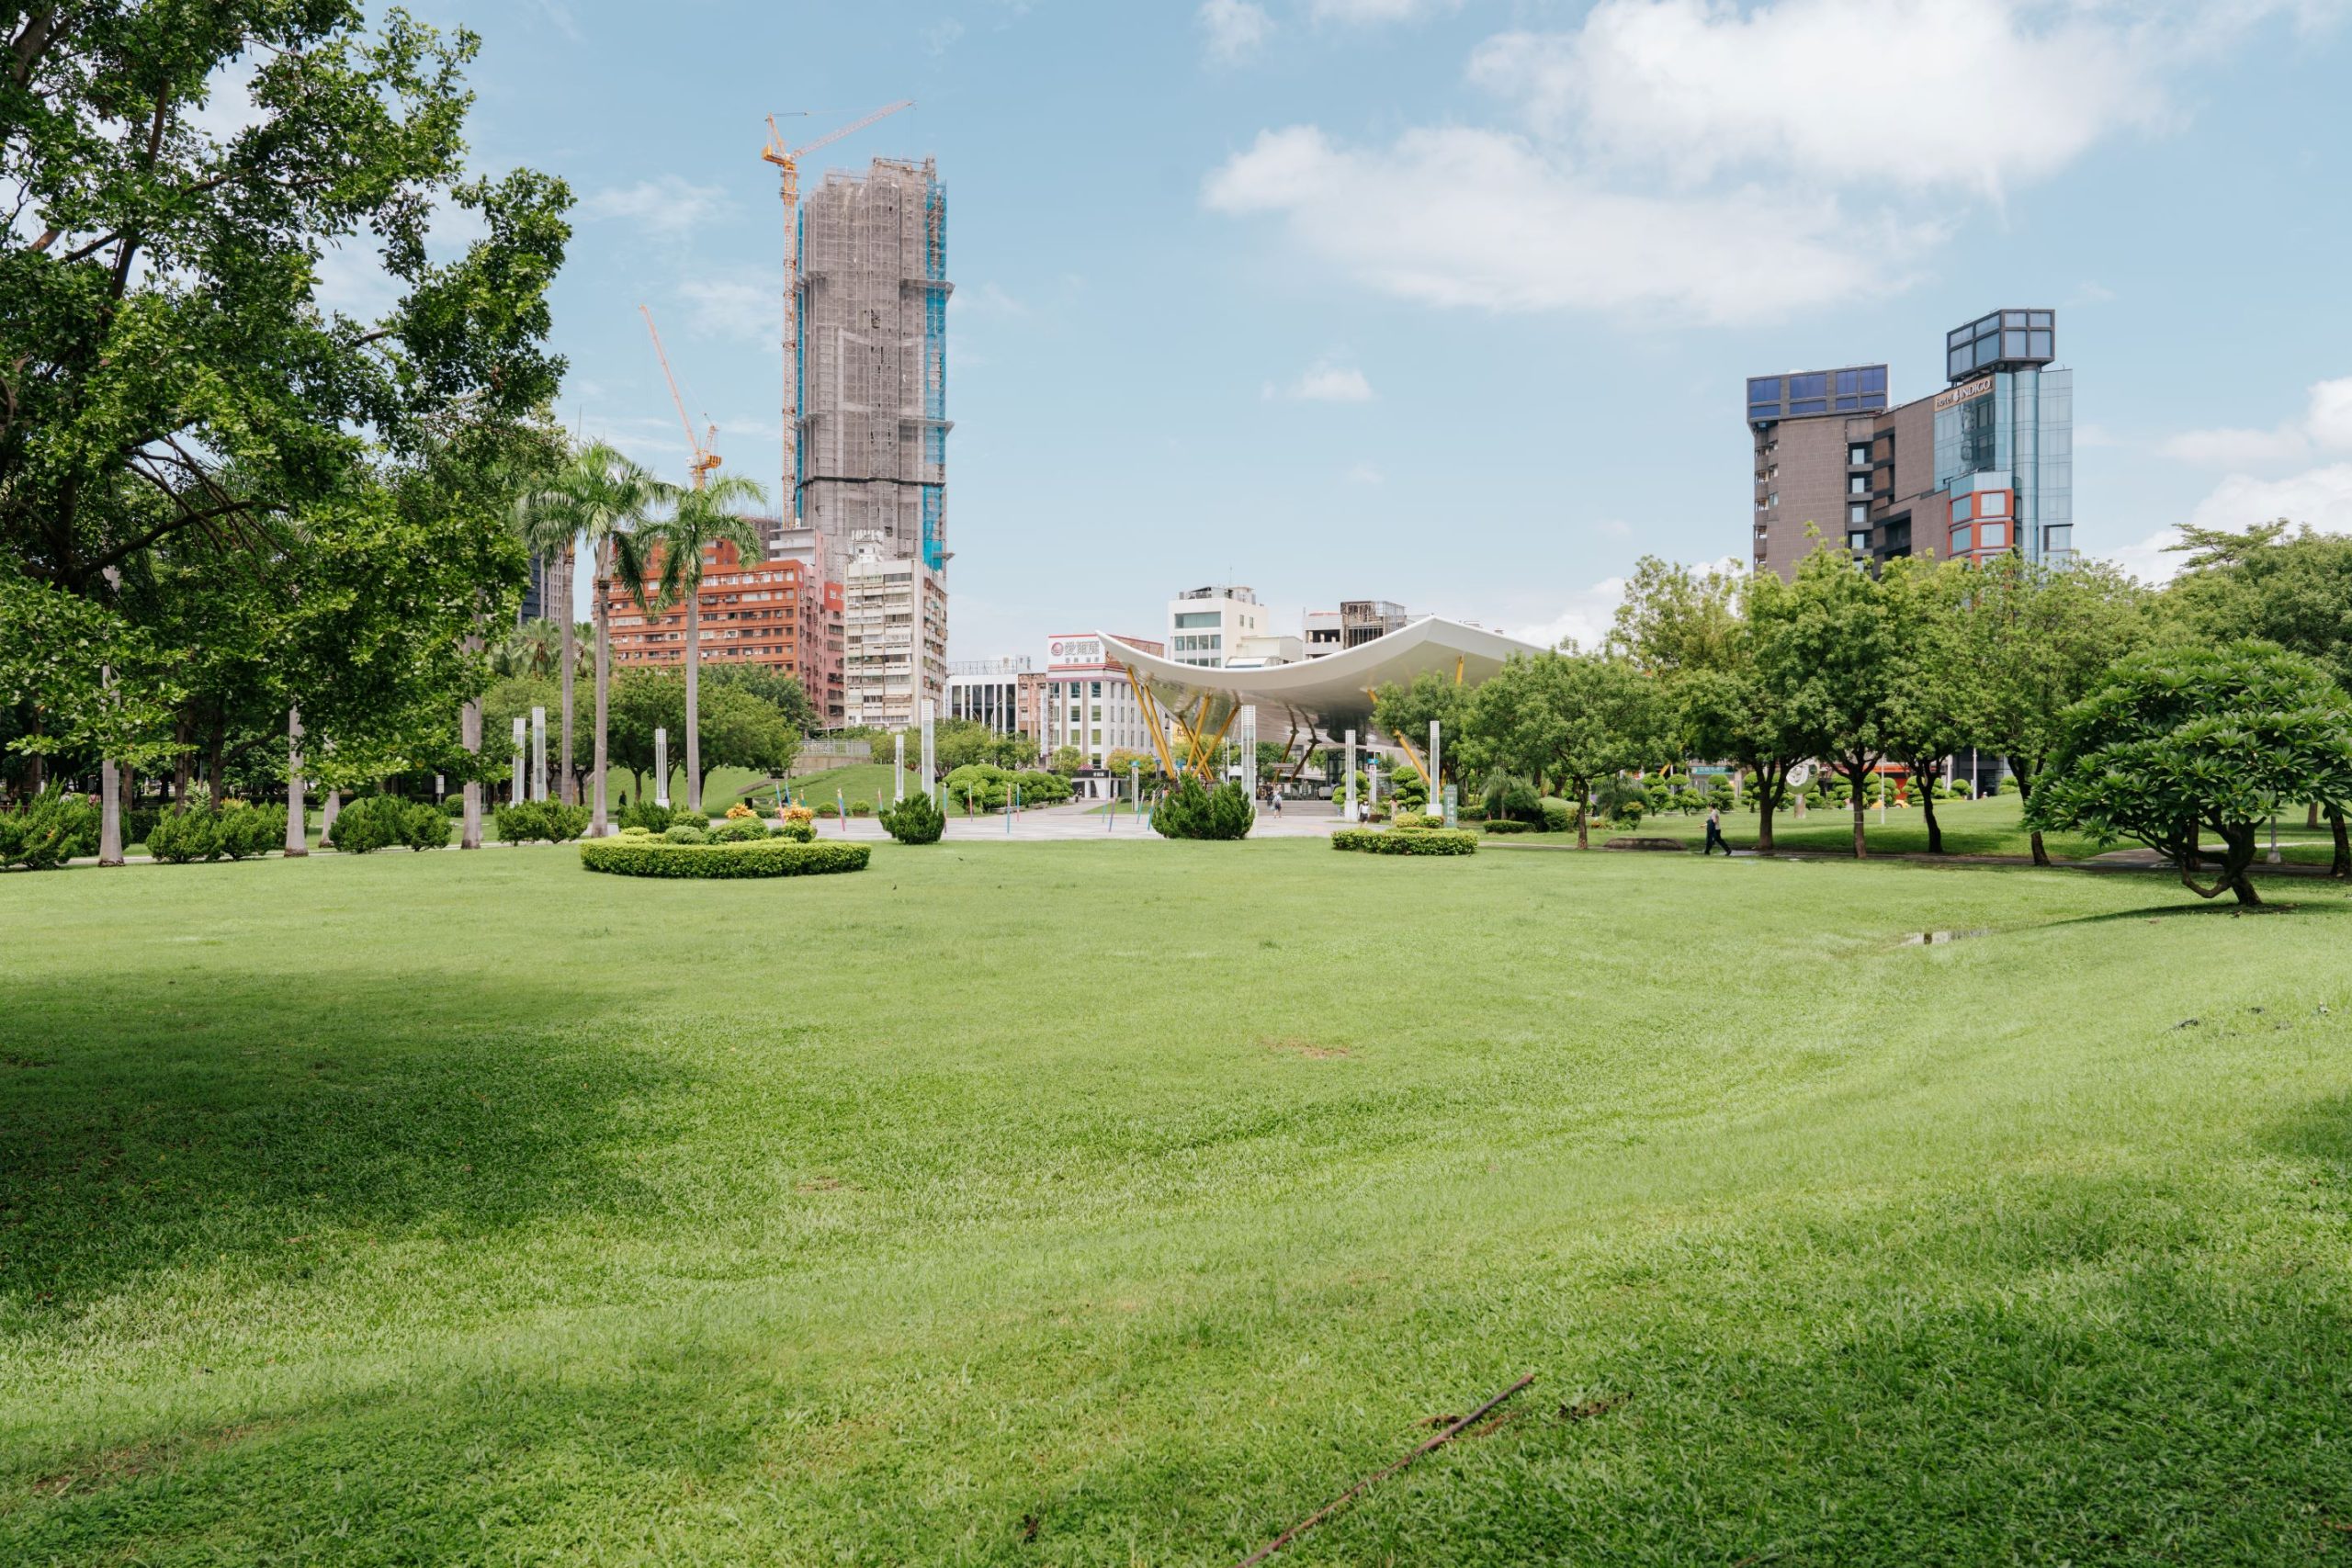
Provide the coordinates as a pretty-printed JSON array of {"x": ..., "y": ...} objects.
[
  {"x": 1404, "y": 711},
  {"x": 2289, "y": 587},
  {"x": 738, "y": 728},
  {"x": 1836, "y": 666},
  {"x": 1067, "y": 760},
  {"x": 701, "y": 519},
  {"x": 1570, "y": 719},
  {"x": 2184, "y": 739},
  {"x": 1934, "y": 679},
  {"x": 2039, "y": 639},
  {"x": 174, "y": 388},
  {"x": 1710, "y": 637},
  {"x": 782, "y": 692},
  {"x": 1188, "y": 811}
]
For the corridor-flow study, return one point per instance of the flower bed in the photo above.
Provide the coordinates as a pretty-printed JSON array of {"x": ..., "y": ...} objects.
[
  {"x": 1409, "y": 841},
  {"x": 767, "y": 857}
]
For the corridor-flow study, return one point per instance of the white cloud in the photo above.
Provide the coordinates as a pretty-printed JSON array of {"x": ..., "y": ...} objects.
[
  {"x": 1365, "y": 474},
  {"x": 1235, "y": 28},
  {"x": 1585, "y": 620},
  {"x": 1370, "y": 11},
  {"x": 1324, "y": 382},
  {"x": 2320, "y": 496},
  {"x": 2326, "y": 426},
  {"x": 941, "y": 36},
  {"x": 669, "y": 207},
  {"x": 1480, "y": 218},
  {"x": 1720, "y": 162},
  {"x": 735, "y": 307}
]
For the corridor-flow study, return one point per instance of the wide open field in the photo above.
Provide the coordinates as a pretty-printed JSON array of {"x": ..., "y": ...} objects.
[{"x": 1119, "y": 1203}]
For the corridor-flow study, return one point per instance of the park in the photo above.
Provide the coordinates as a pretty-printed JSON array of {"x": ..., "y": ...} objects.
[{"x": 553, "y": 1009}]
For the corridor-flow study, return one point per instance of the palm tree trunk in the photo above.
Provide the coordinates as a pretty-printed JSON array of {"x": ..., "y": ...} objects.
[
  {"x": 109, "y": 813},
  {"x": 693, "y": 698},
  {"x": 298, "y": 837},
  {"x": 603, "y": 690},
  {"x": 2343, "y": 865},
  {"x": 570, "y": 796}
]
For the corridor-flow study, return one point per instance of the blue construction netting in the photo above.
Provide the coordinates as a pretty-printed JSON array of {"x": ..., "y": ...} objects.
[
  {"x": 799, "y": 364},
  {"x": 934, "y": 335}
]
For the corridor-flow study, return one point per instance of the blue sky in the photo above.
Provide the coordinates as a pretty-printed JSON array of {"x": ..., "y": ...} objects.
[{"x": 1451, "y": 303}]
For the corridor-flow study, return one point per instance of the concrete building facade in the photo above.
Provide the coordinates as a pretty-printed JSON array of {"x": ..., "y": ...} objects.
[
  {"x": 1204, "y": 623},
  {"x": 989, "y": 691},
  {"x": 1982, "y": 467},
  {"x": 894, "y": 639},
  {"x": 1086, "y": 700},
  {"x": 764, "y": 612}
]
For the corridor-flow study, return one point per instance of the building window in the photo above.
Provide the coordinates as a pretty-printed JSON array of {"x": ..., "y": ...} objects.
[
  {"x": 1860, "y": 543},
  {"x": 1195, "y": 619},
  {"x": 1962, "y": 539},
  {"x": 1857, "y": 457},
  {"x": 1993, "y": 504},
  {"x": 1996, "y": 535},
  {"x": 1960, "y": 508},
  {"x": 1859, "y": 485},
  {"x": 2057, "y": 540}
]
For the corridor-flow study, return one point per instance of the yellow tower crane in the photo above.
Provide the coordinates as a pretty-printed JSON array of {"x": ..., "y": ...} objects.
[
  {"x": 787, "y": 162},
  {"x": 705, "y": 460}
]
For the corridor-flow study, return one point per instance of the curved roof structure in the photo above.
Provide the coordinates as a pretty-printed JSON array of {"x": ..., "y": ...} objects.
[{"x": 1330, "y": 693}]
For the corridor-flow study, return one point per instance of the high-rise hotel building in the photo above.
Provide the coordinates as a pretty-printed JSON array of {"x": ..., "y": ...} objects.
[{"x": 1984, "y": 467}]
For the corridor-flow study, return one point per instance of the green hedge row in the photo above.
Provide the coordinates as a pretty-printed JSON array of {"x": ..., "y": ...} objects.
[
  {"x": 548, "y": 820},
  {"x": 1504, "y": 825},
  {"x": 1416, "y": 841},
  {"x": 772, "y": 857}
]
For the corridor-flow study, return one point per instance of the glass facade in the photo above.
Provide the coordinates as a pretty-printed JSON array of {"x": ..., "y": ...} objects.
[
  {"x": 2016, "y": 434},
  {"x": 1859, "y": 389},
  {"x": 2004, "y": 336}
]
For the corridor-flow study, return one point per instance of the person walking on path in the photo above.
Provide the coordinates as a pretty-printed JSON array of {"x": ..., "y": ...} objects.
[{"x": 1715, "y": 830}]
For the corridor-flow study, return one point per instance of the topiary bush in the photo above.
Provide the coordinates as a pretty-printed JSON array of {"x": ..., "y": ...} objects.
[
  {"x": 801, "y": 830},
  {"x": 1560, "y": 817},
  {"x": 738, "y": 830},
  {"x": 1192, "y": 812},
  {"x": 239, "y": 831},
  {"x": 687, "y": 833},
  {"x": 370, "y": 823},
  {"x": 770, "y": 857},
  {"x": 914, "y": 820},
  {"x": 422, "y": 828},
  {"x": 1428, "y": 841},
  {"x": 1510, "y": 826},
  {"x": 539, "y": 819}
]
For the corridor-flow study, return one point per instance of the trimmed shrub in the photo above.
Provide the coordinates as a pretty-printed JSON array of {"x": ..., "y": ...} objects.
[
  {"x": 1433, "y": 842},
  {"x": 1506, "y": 826},
  {"x": 860, "y": 807},
  {"x": 1192, "y": 812},
  {"x": 372, "y": 822},
  {"x": 422, "y": 828},
  {"x": 240, "y": 831},
  {"x": 685, "y": 833},
  {"x": 745, "y": 829},
  {"x": 49, "y": 831},
  {"x": 454, "y": 806},
  {"x": 138, "y": 821},
  {"x": 1418, "y": 821},
  {"x": 179, "y": 837},
  {"x": 770, "y": 857},
  {"x": 636, "y": 834},
  {"x": 539, "y": 819},
  {"x": 1560, "y": 817},
  {"x": 914, "y": 820},
  {"x": 646, "y": 814},
  {"x": 740, "y": 812},
  {"x": 800, "y": 831}
]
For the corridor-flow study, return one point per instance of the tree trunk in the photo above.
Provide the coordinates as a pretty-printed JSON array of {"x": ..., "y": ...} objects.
[
  {"x": 1854, "y": 778},
  {"x": 298, "y": 837},
  {"x": 2343, "y": 866},
  {"x": 183, "y": 761},
  {"x": 329, "y": 812},
  {"x": 693, "y": 698},
  {"x": 2310, "y": 817},
  {"x": 109, "y": 813},
  {"x": 571, "y": 655},
  {"x": 2025, "y": 797},
  {"x": 603, "y": 690},
  {"x": 212, "y": 761},
  {"x": 1928, "y": 807},
  {"x": 469, "y": 737},
  {"x": 1584, "y": 814},
  {"x": 1767, "y": 799}
]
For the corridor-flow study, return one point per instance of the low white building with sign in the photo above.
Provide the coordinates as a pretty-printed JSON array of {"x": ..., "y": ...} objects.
[{"x": 1087, "y": 701}]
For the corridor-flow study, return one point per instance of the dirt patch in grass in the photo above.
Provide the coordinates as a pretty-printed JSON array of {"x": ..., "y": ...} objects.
[
  {"x": 111, "y": 1466},
  {"x": 1291, "y": 1045}
]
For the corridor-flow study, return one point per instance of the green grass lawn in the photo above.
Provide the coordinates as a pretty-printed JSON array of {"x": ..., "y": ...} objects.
[
  {"x": 1121, "y": 1202},
  {"x": 1987, "y": 826}
]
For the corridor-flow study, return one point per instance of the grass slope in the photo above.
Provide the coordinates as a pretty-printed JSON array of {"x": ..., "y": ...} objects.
[{"x": 1117, "y": 1204}]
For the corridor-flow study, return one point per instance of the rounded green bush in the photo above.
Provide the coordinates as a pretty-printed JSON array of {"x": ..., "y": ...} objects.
[
  {"x": 770, "y": 857},
  {"x": 1417, "y": 841},
  {"x": 738, "y": 830},
  {"x": 685, "y": 833},
  {"x": 914, "y": 820}
]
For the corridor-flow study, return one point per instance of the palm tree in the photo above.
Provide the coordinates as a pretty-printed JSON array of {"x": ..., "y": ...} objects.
[
  {"x": 533, "y": 649},
  {"x": 702, "y": 518},
  {"x": 599, "y": 498},
  {"x": 551, "y": 534}
]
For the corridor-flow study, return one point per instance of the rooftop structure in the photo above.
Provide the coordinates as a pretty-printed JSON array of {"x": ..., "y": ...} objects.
[{"x": 1205, "y": 624}]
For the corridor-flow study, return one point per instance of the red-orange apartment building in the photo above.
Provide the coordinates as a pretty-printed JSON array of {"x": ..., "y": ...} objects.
[{"x": 769, "y": 613}]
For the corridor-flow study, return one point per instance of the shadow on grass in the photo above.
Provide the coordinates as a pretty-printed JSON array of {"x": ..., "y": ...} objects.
[
  {"x": 245, "y": 1128},
  {"x": 2219, "y": 909}
]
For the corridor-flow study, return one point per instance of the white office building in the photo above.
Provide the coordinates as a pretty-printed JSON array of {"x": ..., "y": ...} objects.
[
  {"x": 894, "y": 639},
  {"x": 1088, "y": 702},
  {"x": 1205, "y": 624}
]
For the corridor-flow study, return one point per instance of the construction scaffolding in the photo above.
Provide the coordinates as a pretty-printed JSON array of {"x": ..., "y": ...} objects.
[{"x": 872, "y": 363}]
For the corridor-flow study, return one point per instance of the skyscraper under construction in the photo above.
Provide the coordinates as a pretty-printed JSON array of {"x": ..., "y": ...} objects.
[{"x": 872, "y": 365}]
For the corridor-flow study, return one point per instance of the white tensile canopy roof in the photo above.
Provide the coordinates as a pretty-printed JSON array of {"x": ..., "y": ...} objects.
[{"x": 1330, "y": 693}]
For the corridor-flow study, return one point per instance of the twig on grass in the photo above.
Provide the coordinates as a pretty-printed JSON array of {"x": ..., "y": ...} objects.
[{"x": 1336, "y": 1503}]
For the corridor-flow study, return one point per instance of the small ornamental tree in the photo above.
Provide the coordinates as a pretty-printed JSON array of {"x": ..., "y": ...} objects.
[
  {"x": 2183, "y": 740},
  {"x": 1192, "y": 812},
  {"x": 914, "y": 820}
]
